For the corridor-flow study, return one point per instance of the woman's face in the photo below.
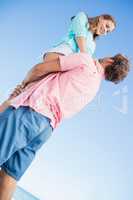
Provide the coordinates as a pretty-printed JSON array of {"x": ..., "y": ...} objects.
[{"x": 104, "y": 26}]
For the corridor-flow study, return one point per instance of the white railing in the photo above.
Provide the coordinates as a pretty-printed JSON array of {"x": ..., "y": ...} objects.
[{"x": 21, "y": 194}]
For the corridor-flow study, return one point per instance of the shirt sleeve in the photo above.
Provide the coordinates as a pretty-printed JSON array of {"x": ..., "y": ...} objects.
[
  {"x": 79, "y": 24},
  {"x": 74, "y": 60}
]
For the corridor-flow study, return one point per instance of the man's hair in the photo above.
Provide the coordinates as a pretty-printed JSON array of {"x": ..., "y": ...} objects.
[{"x": 118, "y": 70}]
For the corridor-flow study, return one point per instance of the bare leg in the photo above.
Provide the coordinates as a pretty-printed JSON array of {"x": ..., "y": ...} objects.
[
  {"x": 51, "y": 56},
  {"x": 33, "y": 75},
  {"x": 7, "y": 186},
  {"x": 41, "y": 70},
  {"x": 48, "y": 59}
]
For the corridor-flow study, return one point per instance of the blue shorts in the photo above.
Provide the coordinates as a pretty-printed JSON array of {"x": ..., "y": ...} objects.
[{"x": 22, "y": 132}]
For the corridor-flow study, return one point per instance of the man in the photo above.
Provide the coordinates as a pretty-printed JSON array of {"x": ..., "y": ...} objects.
[{"x": 63, "y": 88}]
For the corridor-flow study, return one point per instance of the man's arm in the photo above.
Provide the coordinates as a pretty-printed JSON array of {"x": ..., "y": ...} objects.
[
  {"x": 4, "y": 105},
  {"x": 37, "y": 73}
]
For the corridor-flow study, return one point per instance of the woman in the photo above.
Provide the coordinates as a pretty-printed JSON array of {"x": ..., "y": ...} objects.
[{"x": 81, "y": 37}]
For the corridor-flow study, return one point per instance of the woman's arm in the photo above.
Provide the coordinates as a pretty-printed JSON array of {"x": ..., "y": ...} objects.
[
  {"x": 80, "y": 29},
  {"x": 81, "y": 42}
]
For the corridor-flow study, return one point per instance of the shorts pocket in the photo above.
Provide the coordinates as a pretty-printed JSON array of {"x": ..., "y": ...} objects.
[
  {"x": 33, "y": 120},
  {"x": 6, "y": 112}
]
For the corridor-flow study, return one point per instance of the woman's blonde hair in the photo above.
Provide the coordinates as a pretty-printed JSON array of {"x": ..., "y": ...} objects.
[{"x": 93, "y": 21}]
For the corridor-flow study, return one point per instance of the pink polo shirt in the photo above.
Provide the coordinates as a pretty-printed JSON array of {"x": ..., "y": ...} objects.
[{"x": 63, "y": 94}]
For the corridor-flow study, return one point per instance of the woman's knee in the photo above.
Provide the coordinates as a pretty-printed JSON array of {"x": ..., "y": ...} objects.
[{"x": 51, "y": 56}]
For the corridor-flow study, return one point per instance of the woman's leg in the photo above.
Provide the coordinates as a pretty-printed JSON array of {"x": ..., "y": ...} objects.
[
  {"x": 51, "y": 56},
  {"x": 38, "y": 71},
  {"x": 32, "y": 76},
  {"x": 48, "y": 59}
]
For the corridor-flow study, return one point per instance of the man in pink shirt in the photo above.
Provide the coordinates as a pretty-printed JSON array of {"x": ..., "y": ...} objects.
[{"x": 57, "y": 90}]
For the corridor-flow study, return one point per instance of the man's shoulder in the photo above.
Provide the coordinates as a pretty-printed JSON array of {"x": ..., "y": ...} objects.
[{"x": 87, "y": 59}]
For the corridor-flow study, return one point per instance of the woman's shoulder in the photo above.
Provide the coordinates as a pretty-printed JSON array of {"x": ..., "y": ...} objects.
[{"x": 81, "y": 15}]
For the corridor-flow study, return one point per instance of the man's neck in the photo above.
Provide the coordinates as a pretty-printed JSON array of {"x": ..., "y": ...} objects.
[{"x": 102, "y": 63}]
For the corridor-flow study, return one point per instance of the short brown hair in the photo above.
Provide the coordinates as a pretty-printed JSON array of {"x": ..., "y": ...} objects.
[{"x": 117, "y": 71}]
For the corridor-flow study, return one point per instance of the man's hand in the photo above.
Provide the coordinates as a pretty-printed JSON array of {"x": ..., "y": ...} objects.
[
  {"x": 20, "y": 88},
  {"x": 4, "y": 105}
]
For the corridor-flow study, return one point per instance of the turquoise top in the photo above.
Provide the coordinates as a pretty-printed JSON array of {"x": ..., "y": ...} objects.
[{"x": 79, "y": 27}]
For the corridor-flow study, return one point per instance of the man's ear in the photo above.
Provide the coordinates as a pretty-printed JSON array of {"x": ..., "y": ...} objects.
[{"x": 110, "y": 61}]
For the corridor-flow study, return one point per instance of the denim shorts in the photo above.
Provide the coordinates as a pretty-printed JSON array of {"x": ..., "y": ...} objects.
[{"x": 22, "y": 132}]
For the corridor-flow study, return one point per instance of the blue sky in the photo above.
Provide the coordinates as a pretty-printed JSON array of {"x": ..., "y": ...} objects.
[{"x": 90, "y": 155}]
